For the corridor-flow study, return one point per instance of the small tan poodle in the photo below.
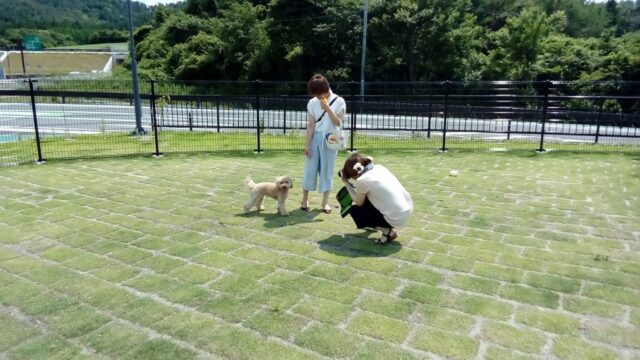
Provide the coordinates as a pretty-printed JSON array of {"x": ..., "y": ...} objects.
[{"x": 278, "y": 190}]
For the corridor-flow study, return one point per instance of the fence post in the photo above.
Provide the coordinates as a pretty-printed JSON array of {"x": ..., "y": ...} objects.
[
  {"x": 154, "y": 121},
  {"x": 218, "y": 113},
  {"x": 257, "y": 85},
  {"x": 446, "y": 115},
  {"x": 190, "y": 120},
  {"x": 545, "y": 106},
  {"x": 598, "y": 120},
  {"x": 284, "y": 116},
  {"x": 35, "y": 121},
  {"x": 509, "y": 130},
  {"x": 352, "y": 91},
  {"x": 429, "y": 118}
]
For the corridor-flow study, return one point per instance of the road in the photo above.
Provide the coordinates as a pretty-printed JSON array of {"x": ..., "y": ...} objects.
[{"x": 77, "y": 119}]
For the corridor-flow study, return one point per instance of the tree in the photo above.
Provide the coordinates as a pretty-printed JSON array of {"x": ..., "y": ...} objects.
[
  {"x": 246, "y": 40},
  {"x": 582, "y": 19},
  {"x": 180, "y": 27},
  {"x": 202, "y": 8},
  {"x": 340, "y": 35},
  {"x": 410, "y": 40},
  {"x": 295, "y": 48},
  {"x": 201, "y": 57},
  {"x": 612, "y": 13},
  {"x": 493, "y": 14},
  {"x": 518, "y": 44},
  {"x": 566, "y": 58},
  {"x": 423, "y": 40},
  {"x": 108, "y": 36},
  {"x": 620, "y": 59}
]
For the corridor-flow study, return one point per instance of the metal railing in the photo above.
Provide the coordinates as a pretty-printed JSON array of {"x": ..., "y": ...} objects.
[{"x": 58, "y": 119}]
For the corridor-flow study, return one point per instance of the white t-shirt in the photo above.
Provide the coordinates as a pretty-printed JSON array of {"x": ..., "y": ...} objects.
[
  {"x": 315, "y": 110},
  {"x": 386, "y": 194}
]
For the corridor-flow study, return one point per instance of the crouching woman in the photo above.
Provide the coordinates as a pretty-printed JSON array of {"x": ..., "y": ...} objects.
[{"x": 379, "y": 200}]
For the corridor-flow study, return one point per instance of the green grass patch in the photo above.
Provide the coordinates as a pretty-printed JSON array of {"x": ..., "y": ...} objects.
[
  {"x": 14, "y": 332},
  {"x": 571, "y": 348},
  {"x": 111, "y": 46},
  {"x": 483, "y": 306},
  {"x": 380, "y": 327},
  {"x": 446, "y": 344},
  {"x": 515, "y": 258},
  {"x": 276, "y": 323},
  {"x": 511, "y": 337},
  {"x": 329, "y": 341},
  {"x": 160, "y": 349},
  {"x": 548, "y": 320}
]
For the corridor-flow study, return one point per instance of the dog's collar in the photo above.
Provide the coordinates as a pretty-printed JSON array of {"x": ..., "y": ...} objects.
[{"x": 368, "y": 167}]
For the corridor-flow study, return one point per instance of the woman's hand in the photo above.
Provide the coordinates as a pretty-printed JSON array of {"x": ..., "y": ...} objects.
[
  {"x": 307, "y": 152},
  {"x": 324, "y": 103}
]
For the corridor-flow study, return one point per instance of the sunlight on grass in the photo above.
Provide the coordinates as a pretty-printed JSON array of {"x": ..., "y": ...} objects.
[{"x": 521, "y": 255}]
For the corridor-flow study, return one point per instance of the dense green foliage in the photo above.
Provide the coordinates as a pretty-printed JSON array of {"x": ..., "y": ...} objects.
[
  {"x": 67, "y": 22},
  {"x": 408, "y": 40}
]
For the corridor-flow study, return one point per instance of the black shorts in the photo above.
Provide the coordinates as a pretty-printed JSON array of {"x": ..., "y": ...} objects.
[{"x": 368, "y": 216}]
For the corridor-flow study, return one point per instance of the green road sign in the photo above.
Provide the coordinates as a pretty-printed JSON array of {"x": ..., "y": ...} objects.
[{"x": 32, "y": 43}]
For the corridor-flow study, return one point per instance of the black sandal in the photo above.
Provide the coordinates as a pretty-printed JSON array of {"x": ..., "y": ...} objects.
[
  {"x": 304, "y": 208},
  {"x": 385, "y": 238},
  {"x": 391, "y": 235}
]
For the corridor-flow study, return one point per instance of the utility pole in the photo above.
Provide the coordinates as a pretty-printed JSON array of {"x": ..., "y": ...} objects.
[
  {"x": 24, "y": 70},
  {"x": 134, "y": 76},
  {"x": 364, "y": 47}
]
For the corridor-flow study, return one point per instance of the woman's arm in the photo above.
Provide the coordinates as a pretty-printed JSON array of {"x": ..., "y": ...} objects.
[
  {"x": 357, "y": 198},
  {"x": 336, "y": 119},
  {"x": 311, "y": 127}
]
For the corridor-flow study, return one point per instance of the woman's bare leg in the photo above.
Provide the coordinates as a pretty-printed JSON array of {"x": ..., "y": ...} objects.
[
  {"x": 305, "y": 199},
  {"x": 325, "y": 201}
]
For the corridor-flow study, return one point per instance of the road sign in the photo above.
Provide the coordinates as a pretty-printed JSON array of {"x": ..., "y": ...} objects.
[{"x": 32, "y": 43}]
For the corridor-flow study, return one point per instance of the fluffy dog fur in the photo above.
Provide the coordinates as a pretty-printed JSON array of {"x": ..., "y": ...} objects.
[{"x": 278, "y": 190}]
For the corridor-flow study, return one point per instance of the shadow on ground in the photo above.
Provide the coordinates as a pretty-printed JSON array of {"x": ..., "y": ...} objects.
[
  {"x": 358, "y": 245},
  {"x": 275, "y": 220}
]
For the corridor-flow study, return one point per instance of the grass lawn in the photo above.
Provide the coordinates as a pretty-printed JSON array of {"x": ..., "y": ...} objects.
[
  {"x": 112, "y": 46},
  {"x": 521, "y": 256},
  {"x": 48, "y": 63}
]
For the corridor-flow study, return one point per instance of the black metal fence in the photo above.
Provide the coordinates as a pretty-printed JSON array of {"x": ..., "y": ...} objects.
[{"x": 61, "y": 119}]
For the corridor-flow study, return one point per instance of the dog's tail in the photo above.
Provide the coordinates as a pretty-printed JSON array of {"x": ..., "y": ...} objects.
[{"x": 250, "y": 184}]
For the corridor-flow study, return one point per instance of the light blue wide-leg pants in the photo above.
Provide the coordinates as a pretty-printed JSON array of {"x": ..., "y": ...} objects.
[{"x": 321, "y": 164}]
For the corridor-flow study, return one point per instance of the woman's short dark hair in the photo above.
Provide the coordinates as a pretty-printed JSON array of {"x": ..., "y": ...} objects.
[
  {"x": 348, "y": 172},
  {"x": 318, "y": 84}
]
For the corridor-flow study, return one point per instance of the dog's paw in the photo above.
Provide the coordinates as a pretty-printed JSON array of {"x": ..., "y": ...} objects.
[
  {"x": 261, "y": 208},
  {"x": 283, "y": 213}
]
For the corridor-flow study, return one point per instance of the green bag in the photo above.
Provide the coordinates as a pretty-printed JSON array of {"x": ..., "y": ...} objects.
[{"x": 345, "y": 201}]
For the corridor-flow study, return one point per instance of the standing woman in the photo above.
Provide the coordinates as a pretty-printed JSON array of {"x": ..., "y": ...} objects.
[
  {"x": 379, "y": 200},
  {"x": 325, "y": 112}
]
